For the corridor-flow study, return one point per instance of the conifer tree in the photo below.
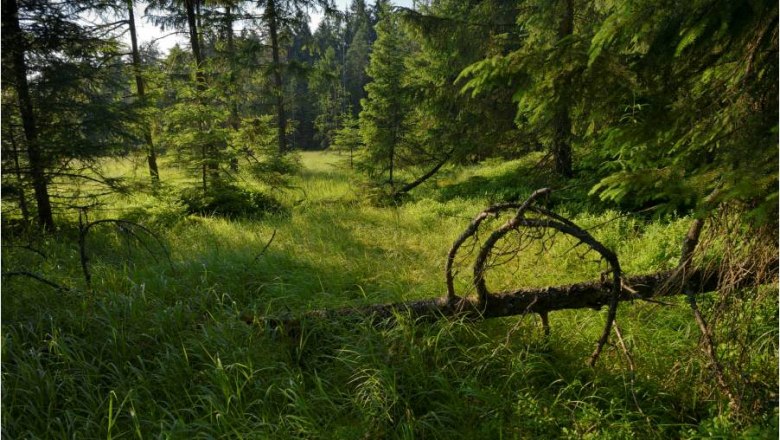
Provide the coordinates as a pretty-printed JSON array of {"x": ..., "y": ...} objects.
[
  {"x": 451, "y": 35},
  {"x": 16, "y": 51},
  {"x": 544, "y": 70},
  {"x": 697, "y": 117},
  {"x": 151, "y": 153},
  {"x": 67, "y": 81},
  {"x": 325, "y": 84},
  {"x": 359, "y": 42},
  {"x": 382, "y": 120}
]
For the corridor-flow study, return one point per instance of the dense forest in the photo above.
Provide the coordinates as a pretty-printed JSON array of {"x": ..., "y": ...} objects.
[{"x": 403, "y": 222}]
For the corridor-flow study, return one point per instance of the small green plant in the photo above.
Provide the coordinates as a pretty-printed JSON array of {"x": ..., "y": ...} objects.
[{"x": 230, "y": 201}]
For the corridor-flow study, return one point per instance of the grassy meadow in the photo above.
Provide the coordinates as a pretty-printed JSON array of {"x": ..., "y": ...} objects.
[{"x": 155, "y": 348}]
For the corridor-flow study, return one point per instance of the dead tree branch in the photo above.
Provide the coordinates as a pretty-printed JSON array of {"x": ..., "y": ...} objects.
[
  {"x": 708, "y": 339},
  {"x": 417, "y": 182},
  {"x": 125, "y": 227},
  {"x": 36, "y": 277},
  {"x": 535, "y": 221}
]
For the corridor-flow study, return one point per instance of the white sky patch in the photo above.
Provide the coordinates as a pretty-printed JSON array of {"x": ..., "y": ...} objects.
[
  {"x": 166, "y": 40},
  {"x": 147, "y": 32},
  {"x": 343, "y": 5}
]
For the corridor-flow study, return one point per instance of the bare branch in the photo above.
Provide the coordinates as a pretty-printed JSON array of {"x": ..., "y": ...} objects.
[{"x": 35, "y": 277}]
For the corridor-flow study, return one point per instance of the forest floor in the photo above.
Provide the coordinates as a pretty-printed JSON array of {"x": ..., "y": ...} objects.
[{"x": 155, "y": 347}]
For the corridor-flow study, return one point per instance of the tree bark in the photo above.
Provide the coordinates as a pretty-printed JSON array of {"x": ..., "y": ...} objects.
[
  {"x": 13, "y": 32},
  {"x": 272, "y": 19},
  {"x": 18, "y": 172},
  {"x": 586, "y": 295},
  {"x": 207, "y": 151},
  {"x": 561, "y": 143},
  {"x": 231, "y": 53},
  {"x": 151, "y": 154},
  {"x": 192, "y": 24},
  {"x": 419, "y": 181}
]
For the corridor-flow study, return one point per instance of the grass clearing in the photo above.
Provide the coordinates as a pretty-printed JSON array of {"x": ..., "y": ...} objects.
[{"x": 156, "y": 350}]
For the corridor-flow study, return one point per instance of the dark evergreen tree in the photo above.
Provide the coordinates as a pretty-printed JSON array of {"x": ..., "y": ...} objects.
[
  {"x": 695, "y": 113},
  {"x": 151, "y": 153},
  {"x": 544, "y": 70},
  {"x": 325, "y": 84},
  {"x": 63, "y": 79},
  {"x": 278, "y": 17},
  {"x": 360, "y": 38},
  {"x": 383, "y": 122}
]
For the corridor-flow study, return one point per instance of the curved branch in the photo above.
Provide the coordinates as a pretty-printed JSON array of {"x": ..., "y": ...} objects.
[
  {"x": 127, "y": 225},
  {"x": 469, "y": 232},
  {"x": 556, "y": 222},
  {"x": 511, "y": 224},
  {"x": 35, "y": 277},
  {"x": 412, "y": 185}
]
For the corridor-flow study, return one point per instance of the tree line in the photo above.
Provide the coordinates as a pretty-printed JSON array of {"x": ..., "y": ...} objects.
[{"x": 669, "y": 104}]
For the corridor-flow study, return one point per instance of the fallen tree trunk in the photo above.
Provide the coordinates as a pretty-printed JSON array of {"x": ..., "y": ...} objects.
[
  {"x": 586, "y": 295},
  {"x": 609, "y": 291}
]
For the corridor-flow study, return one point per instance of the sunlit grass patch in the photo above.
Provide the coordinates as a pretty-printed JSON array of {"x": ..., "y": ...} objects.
[{"x": 156, "y": 346}]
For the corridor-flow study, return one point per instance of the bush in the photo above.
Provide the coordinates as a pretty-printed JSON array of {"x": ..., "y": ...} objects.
[{"x": 230, "y": 201}]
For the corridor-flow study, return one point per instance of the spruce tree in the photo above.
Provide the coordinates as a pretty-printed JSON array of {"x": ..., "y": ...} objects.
[
  {"x": 697, "y": 114},
  {"x": 359, "y": 35},
  {"x": 382, "y": 120},
  {"x": 544, "y": 70},
  {"x": 325, "y": 84},
  {"x": 66, "y": 81}
]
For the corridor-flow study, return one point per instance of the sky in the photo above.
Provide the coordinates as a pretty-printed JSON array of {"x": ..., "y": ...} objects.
[{"x": 147, "y": 31}]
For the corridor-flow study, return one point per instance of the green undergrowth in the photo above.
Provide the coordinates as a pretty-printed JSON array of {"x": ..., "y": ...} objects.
[{"x": 154, "y": 348}]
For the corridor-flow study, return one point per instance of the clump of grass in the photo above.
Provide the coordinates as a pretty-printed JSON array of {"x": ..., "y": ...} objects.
[{"x": 230, "y": 201}]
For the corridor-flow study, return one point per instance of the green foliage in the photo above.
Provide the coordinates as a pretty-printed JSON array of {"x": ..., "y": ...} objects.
[
  {"x": 452, "y": 35},
  {"x": 660, "y": 112},
  {"x": 382, "y": 119},
  {"x": 325, "y": 83},
  {"x": 230, "y": 201},
  {"x": 75, "y": 89},
  {"x": 257, "y": 136},
  {"x": 702, "y": 103},
  {"x": 347, "y": 138}
]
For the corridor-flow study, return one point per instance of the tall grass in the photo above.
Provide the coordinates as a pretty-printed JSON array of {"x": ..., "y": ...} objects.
[{"x": 156, "y": 349}]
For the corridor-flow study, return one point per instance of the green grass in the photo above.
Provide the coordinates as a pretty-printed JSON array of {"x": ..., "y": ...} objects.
[{"x": 156, "y": 349}]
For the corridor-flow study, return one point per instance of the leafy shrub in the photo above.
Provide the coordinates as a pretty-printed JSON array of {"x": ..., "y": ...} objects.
[{"x": 230, "y": 201}]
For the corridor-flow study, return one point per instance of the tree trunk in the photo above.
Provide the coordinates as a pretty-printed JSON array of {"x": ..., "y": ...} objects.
[
  {"x": 151, "y": 154},
  {"x": 192, "y": 25},
  {"x": 234, "y": 121},
  {"x": 193, "y": 19},
  {"x": 561, "y": 143},
  {"x": 231, "y": 53},
  {"x": 392, "y": 162},
  {"x": 18, "y": 172},
  {"x": 11, "y": 30},
  {"x": 587, "y": 295},
  {"x": 272, "y": 18},
  {"x": 204, "y": 168},
  {"x": 199, "y": 23}
]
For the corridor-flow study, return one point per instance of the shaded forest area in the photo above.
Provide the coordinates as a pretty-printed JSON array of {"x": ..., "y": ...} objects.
[{"x": 406, "y": 172}]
